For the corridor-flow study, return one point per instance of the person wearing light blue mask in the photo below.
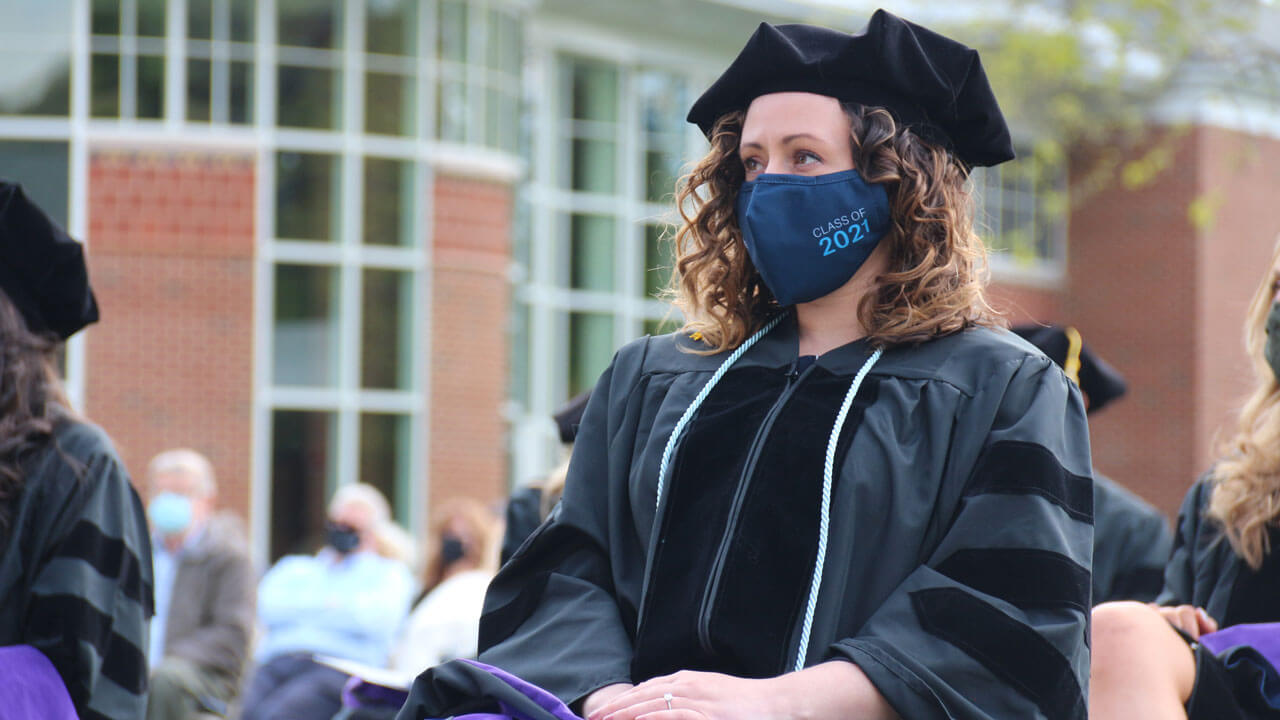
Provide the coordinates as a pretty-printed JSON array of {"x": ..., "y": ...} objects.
[
  {"x": 841, "y": 490},
  {"x": 204, "y": 588}
]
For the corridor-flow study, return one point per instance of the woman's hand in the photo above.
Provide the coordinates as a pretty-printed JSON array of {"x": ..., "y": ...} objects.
[
  {"x": 694, "y": 695},
  {"x": 1189, "y": 619},
  {"x": 832, "y": 689},
  {"x": 602, "y": 696}
]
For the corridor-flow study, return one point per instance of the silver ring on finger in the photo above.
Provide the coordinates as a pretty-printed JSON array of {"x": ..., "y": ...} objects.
[{"x": 668, "y": 698}]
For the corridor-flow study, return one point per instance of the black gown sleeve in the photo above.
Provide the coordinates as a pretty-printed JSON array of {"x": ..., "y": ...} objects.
[
  {"x": 1180, "y": 571},
  {"x": 1131, "y": 545},
  {"x": 994, "y": 623},
  {"x": 91, "y": 599},
  {"x": 551, "y": 615}
]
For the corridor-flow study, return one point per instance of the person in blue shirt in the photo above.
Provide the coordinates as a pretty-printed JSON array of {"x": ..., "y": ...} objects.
[{"x": 347, "y": 601}]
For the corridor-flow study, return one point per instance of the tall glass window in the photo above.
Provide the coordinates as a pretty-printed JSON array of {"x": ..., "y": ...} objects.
[
  {"x": 220, "y": 61},
  {"x": 596, "y": 258},
  {"x": 127, "y": 68}
]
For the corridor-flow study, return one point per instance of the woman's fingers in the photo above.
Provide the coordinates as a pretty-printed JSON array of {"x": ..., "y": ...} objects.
[
  {"x": 1206, "y": 623},
  {"x": 1189, "y": 619}
]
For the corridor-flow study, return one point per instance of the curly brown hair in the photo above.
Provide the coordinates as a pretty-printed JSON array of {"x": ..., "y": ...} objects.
[
  {"x": 31, "y": 400},
  {"x": 936, "y": 280}
]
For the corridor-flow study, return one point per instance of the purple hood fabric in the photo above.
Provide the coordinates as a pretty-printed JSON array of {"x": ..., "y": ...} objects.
[
  {"x": 1262, "y": 637},
  {"x": 30, "y": 687},
  {"x": 472, "y": 690}
]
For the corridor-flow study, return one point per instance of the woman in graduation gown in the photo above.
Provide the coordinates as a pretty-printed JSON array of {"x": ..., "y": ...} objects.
[
  {"x": 75, "y": 558},
  {"x": 1223, "y": 571},
  {"x": 839, "y": 491}
]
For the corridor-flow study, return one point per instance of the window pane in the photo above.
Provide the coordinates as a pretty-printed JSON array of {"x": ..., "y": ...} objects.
[
  {"x": 310, "y": 23},
  {"x": 591, "y": 252},
  {"x": 150, "y": 87},
  {"x": 590, "y": 349},
  {"x": 35, "y": 55},
  {"x": 663, "y": 103},
  {"x": 308, "y": 97},
  {"x": 305, "y": 335},
  {"x": 200, "y": 19},
  {"x": 199, "y": 83},
  {"x": 512, "y": 43},
  {"x": 660, "y": 171},
  {"x": 307, "y": 195},
  {"x": 451, "y": 111},
  {"x": 390, "y": 26},
  {"x": 151, "y": 18},
  {"x": 389, "y": 106},
  {"x": 241, "y": 95},
  {"x": 105, "y": 81},
  {"x": 388, "y": 202},
  {"x": 106, "y": 17},
  {"x": 43, "y": 169},
  {"x": 303, "y": 470},
  {"x": 592, "y": 165},
  {"x": 593, "y": 91},
  {"x": 658, "y": 262},
  {"x": 242, "y": 12},
  {"x": 493, "y": 119},
  {"x": 384, "y": 459},
  {"x": 452, "y": 28},
  {"x": 387, "y": 330}
]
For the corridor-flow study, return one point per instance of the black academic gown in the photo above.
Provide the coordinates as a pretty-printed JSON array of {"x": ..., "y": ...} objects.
[
  {"x": 1204, "y": 571},
  {"x": 1131, "y": 544},
  {"x": 75, "y": 572},
  {"x": 957, "y": 573}
]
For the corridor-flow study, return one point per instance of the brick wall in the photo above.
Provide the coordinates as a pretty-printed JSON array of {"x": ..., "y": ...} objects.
[
  {"x": 171, "y": 256},
  {"x": 469, "y": 348},
  {"x": 1133, "y": 295},
  {"x": 1023, "y": 304}
]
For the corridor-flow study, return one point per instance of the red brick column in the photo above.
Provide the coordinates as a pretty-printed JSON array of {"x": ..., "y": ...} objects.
[
  {"x": 471, "y": 306},
  {"x": 171, "y": 256}
]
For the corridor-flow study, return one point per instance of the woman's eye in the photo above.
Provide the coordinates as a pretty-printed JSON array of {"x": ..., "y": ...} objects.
[
  {"x": 751, "y": 164},
  {"x": 804, "y": 157}
]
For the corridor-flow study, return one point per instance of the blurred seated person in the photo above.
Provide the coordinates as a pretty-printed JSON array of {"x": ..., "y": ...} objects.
[
  {"x": 347, "y": 601},
  {"x": 204, "y": 584},
  {"x": 530, "y": 505},
  {"x": 445, "y": 621},
  {"x": 75, "y": 556},
  {"x": 1131, "y": 538}
]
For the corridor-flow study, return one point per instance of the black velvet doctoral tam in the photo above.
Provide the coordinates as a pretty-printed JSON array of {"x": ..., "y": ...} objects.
[
  {"x": 931, "y": 83},
  {"x": 42, "y": 269}
]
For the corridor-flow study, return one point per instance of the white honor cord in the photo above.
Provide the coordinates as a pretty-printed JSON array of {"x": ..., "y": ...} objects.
[
  {"x": 697, "y": 401},
  {"x": 824, "y": 518}
]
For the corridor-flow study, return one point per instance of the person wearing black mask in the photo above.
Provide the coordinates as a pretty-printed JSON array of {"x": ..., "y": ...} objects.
[
  {"x": 347, "y": 602},
  {"x": 840, "y": 490},
  {"x": 444, "y": 622},
  {"x": 1155, "y": 661}
]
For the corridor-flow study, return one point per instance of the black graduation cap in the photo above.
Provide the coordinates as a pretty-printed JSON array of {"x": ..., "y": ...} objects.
[
  {"x": 42, "y": 269},
  {"x": 1099, "y": 382},
  {"x": 929, "y": 82},
  {"x": 569, "y": 416}
]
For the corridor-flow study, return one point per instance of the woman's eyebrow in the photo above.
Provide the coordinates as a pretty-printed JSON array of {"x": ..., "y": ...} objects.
[{"x": 785, "y": 140}]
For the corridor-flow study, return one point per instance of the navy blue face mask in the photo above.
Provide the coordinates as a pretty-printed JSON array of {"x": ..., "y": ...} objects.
[{"x": 807, "y": 235}]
